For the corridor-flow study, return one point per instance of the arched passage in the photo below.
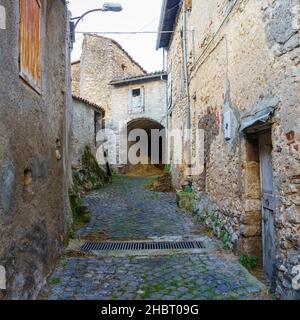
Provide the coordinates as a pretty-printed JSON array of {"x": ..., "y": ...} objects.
[{"x": 146, "y": 143}]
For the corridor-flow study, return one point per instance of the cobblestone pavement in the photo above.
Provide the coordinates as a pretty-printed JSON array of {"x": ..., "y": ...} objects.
[{"x": 127, "y": 210}]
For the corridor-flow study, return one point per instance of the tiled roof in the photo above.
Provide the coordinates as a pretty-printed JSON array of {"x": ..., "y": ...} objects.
[
  {"x": 148, "y": 76},
  {"x": 92, "y": 104}
]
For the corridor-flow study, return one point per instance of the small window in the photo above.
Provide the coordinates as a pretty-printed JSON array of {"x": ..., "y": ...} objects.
[
  {"x": 136, "y": 101},
  {"x": 30, "y": 43},
  {"x": 136, "y": 92}
]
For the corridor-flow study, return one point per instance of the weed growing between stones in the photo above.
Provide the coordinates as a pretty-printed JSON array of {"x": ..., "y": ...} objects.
[
  {"x": 55, "y": 281},
  {"x": 248, "y": 262},
  {"x": 185, "y": 200},
  {"x": 213, "y": 222},
  {"x": 90, "y": 176},
  {"x": 167, "y": 168},
  {"x": 161, "y": 184}
]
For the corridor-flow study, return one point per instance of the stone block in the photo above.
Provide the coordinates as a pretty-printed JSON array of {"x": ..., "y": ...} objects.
[
  {"x": 250, "y": 230},
  {"x": 253, "y": 205},
  {"x": 185, "y": 200},
  {"x": 293, "y": 214},
  {"x": 253, "y": 247},
  {"x": 252, "y": 180},
  {"x": 252, "y": 218}
]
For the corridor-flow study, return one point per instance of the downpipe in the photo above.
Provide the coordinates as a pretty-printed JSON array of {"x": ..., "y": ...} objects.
[{"x": 187, "y": 92}]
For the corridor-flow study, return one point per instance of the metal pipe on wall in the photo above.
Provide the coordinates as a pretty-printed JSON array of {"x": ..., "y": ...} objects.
[{"x": 187, "y": 86}]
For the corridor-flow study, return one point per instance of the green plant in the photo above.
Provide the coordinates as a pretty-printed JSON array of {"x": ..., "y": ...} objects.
[
  {"x": 92, "y": 171},
  {"x": 79, "y": 212},
  {"x": 213, "y": 222},
  {"x": 167, "y": 168},
  {"x": 188, "y": 189},
  {"x": 247, "y": 261},
  {"x": 55, "y": 281},
  {"x": 185, "y": 200},
  {"x": 71, "y": 234},
  {"x": 225, "y": 237}
]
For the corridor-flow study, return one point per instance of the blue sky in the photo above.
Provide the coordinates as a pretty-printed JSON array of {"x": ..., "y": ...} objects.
[{"x": 137, "y": 15}]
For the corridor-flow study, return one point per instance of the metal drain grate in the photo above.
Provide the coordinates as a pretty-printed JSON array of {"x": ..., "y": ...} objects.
[{"x": 137, "y": 246}]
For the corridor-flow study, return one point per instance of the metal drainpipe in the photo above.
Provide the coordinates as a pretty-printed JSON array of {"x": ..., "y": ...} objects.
[
  {"x": 187, "y": 87},
  {"x": 167, "y": 97},
  {"x": 167, "y": 153}
]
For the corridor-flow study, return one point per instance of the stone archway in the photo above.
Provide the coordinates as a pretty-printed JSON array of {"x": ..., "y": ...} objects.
[{"x": 147, "y": 137}]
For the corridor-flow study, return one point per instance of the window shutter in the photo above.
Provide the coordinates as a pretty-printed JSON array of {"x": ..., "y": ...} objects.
[
  {"x": 30, "y": 43},
  {"x": 130, "y": 101}
]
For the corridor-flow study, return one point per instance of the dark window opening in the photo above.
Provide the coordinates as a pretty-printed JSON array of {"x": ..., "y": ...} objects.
[{"x": 136, "y": 92}]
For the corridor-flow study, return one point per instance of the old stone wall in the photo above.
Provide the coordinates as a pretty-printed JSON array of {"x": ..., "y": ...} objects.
[
  {"x": 83, "y": 130},
  {"x": 33, "y": 184},
  {"x": 153, "y": 112},
  {"x": 244, "y": 58},
  {"x": 154, "y": 103},
  {"x": 76, "y": 78},
  {"x": 103, "y": 60}
]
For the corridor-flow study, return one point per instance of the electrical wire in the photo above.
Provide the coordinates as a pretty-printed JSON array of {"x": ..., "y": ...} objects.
[
  {"x": 142, "y": 28},
  {"x": 130, "y": 32}
]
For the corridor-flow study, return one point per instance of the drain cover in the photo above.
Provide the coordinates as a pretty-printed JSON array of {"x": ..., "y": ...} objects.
[{"x": 137, "y": 246}]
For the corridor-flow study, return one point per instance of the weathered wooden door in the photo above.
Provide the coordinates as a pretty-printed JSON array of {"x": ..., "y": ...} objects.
[{"x": 268, "y": 203}]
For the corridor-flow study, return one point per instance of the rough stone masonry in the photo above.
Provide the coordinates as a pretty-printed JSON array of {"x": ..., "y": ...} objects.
[
  {"x": 33, "y": 149},
  {"x": 107, "y": 75},
  {"x": 244, "y": 87}
]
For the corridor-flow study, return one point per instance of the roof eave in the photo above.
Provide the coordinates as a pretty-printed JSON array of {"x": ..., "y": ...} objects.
[
  {"x": 168, "y": 17},
  {"x": 139, "y": 79},
  {"x": 87, "y": 102},
  {"x": 161, "y": 23}
]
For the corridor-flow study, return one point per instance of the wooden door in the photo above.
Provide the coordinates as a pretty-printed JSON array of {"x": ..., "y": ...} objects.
[{"x": 268, "y": 203}]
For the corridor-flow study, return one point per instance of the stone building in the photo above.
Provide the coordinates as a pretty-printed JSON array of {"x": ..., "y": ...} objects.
[
  {"x": 35, "y": 106},
  {"x": 131, "y": 98},
  {"x": 240, "y": 60},
  {"x": 88, "y": 119}
]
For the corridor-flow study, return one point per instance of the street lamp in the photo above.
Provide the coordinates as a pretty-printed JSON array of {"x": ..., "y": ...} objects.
[{"x": 108, "y": 6}]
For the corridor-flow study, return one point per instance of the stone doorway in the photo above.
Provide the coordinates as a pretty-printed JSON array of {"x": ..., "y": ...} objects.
[
  {"x": 258, "y": 228},
  {"x": 251, "y": 227}
]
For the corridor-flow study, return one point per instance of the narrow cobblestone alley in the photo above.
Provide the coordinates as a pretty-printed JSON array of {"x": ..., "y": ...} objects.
[{"x": 125, "y": 211}]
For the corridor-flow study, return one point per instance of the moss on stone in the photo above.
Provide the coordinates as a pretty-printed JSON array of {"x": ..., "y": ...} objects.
[
  {"x": 95, "y": 174},
  {"x": 185, "y": 200},
  {"x": 80, "y": 212}
]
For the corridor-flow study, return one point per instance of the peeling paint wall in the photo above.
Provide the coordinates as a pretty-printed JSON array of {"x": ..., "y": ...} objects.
[
  {"x": 33, "y": 155},
  {"x": 244, "y": 57}
]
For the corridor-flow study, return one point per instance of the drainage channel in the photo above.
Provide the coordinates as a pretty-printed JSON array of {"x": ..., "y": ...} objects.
[{"x": 141, "y": 246}]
